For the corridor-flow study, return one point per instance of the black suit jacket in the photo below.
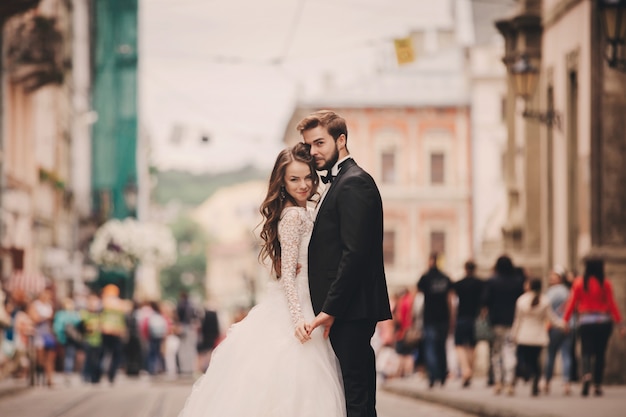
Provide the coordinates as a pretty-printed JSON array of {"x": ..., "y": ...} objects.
[{"x": 346, "y": 270}]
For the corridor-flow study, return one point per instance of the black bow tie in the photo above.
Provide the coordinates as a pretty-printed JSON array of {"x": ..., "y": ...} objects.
[{"x": 327, "y": 178}]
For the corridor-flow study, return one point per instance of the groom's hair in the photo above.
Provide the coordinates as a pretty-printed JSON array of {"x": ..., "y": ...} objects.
[{"x": 331, "y": 121}]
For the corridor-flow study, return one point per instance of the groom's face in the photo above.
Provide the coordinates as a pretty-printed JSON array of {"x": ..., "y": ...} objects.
[{"x": 323, "y": 147}]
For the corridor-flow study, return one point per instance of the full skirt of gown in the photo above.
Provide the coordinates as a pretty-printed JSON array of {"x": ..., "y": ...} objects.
[{"x": 261, "y": 370}]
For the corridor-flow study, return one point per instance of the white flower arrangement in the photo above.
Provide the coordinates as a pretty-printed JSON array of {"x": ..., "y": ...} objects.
[{"x": 127, "y": 243}]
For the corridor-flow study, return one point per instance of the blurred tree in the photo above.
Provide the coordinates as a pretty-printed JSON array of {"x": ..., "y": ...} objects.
[
  {"x": 193, "y": 189},
  {"x": 190, "y": 268}
]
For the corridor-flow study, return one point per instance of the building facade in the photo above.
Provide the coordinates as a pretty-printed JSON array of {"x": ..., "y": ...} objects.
[
  {"x": 37, "y": 202},
  {"x": 566, "y": 141},
  {"x": 488, "y": 92},
  {"x": 418, "y": 149},
  {"x": 231, "y": 219}
]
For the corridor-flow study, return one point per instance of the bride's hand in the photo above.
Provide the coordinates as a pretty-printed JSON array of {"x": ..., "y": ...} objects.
[{"x": 302, "y": 332}]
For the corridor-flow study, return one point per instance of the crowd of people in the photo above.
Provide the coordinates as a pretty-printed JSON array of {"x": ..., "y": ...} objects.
[
  {"x": 510, "y": 311},
  {"x": 98, "y": 334},
  {"x": 573, "y": 319}
]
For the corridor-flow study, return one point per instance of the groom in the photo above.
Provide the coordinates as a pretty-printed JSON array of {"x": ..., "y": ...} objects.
[{"x": 346, "y": 273}]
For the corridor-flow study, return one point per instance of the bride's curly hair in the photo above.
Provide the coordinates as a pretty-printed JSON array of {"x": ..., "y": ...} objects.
[{"x": 276, "y": 199}]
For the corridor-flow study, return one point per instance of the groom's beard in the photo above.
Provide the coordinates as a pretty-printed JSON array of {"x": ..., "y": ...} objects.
[{"x": 331, "y": 162}]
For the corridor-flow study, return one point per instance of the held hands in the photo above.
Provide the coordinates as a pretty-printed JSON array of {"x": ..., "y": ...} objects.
[{"x": 322, "y": 319}]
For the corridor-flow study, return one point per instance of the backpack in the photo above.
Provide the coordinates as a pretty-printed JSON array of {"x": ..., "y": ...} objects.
[{"x": 157, "y": 326}]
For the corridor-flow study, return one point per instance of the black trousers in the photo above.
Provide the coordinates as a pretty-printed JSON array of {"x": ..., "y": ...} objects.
[
  {"x": 594, "y": 339},
  {"x": 528, "y": 362},
  {"x": 351, "y": 342}
]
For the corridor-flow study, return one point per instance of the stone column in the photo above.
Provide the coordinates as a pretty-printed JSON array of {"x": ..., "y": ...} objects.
[{"x": 608, "y": 176}]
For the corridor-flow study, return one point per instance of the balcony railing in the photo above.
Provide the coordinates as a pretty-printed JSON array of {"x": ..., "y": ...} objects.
[
  {"x": 10, "y": 8},
  {"x": 34, "y": 52}
]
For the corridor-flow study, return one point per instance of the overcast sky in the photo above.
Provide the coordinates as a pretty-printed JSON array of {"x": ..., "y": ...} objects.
[{"x": 231, "y": 69}]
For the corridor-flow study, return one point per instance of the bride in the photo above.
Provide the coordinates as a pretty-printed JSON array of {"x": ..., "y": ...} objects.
[{"x": 268, "y": 365}]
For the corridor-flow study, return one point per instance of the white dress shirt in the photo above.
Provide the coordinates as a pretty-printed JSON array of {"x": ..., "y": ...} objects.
[{"x": 334, "y": 171}]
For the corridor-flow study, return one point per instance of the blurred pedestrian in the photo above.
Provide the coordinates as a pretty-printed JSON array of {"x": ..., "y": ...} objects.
[
  {"x": 5, "y": 318},
  {"x": 418, "y": 323},
  {"x": 134, "y": 357},
  {"x": 208, "y": 337},
  {"x": 157, "y": 330},
  {"x": 407, "y": 335},
  {"x": 560, "y": 340},
  {"x": 592, "y": 298},
  {"x": 41, "y": 311},
  {"x": 113, "y": 322},
  {"x": 91, "y": 318},
  {"x": 7, "y": 347},
  {"x": 529, "y": 332},
  {"x": 574, "y": 374},
  {"x": 383, "y": 343},
  {"x": 66, "y": 328},
  {"x": 499, "y": 297},
  {"x": 438, "y": 293},
  {"x": 171, "y": 343},
  {"x": 17, "y": 334},
  {"x": 142, "y": 315},
  {"x": 469, "y": 291},
  {"x": 188, "y": 333}
]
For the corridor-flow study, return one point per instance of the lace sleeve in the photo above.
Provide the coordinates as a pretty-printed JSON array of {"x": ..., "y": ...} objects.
[{"x": 289, "y": 234}]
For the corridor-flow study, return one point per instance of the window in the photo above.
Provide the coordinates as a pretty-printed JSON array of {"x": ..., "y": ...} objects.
[
  {"x": 446, "y": 38},
  {"x": 438, "y": 242},
  {"x": 437, "y": 168},
  {"x": 17, "y": 259},
  {"x": 419, "y": 44},
  {"x": 389, "y": 167},
  {"x": 389, "y": 247}
]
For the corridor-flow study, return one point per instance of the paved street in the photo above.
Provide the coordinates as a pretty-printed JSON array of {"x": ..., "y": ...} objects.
[
  {"x": 480, "y": 400},
  {"x": 142, "y": 398},
  {"x": 407, "y": 397}
]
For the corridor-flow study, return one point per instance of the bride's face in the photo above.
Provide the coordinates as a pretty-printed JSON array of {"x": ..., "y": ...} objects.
[{"x": 298, "y": 182}]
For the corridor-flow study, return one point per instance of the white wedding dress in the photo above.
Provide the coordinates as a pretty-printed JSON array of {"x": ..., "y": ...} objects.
[{"x": 261, "y": 369}]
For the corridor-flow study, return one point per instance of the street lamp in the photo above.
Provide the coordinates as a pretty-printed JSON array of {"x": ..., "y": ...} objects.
[
  {"x": 525, "y": 79},
  {"x": 613, "y": 20}
]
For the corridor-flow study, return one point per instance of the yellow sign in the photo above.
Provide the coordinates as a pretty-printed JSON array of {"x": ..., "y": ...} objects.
[{"x": 405, "y": 54}]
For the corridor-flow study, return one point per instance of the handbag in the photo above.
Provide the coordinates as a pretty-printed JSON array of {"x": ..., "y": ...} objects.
[
  {"x": 412, "y": 337},
  {"x": 483, "y": 330}
]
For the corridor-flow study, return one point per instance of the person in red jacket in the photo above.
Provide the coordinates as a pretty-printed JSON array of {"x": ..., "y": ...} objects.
[{"x": 592, "y": 298}]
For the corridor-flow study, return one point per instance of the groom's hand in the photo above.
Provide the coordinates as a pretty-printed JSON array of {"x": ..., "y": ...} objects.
[{"x": 325, "y": 320}]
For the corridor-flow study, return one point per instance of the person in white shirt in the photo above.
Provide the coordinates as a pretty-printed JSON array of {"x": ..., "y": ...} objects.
[{"x": 529, "y": 331}]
